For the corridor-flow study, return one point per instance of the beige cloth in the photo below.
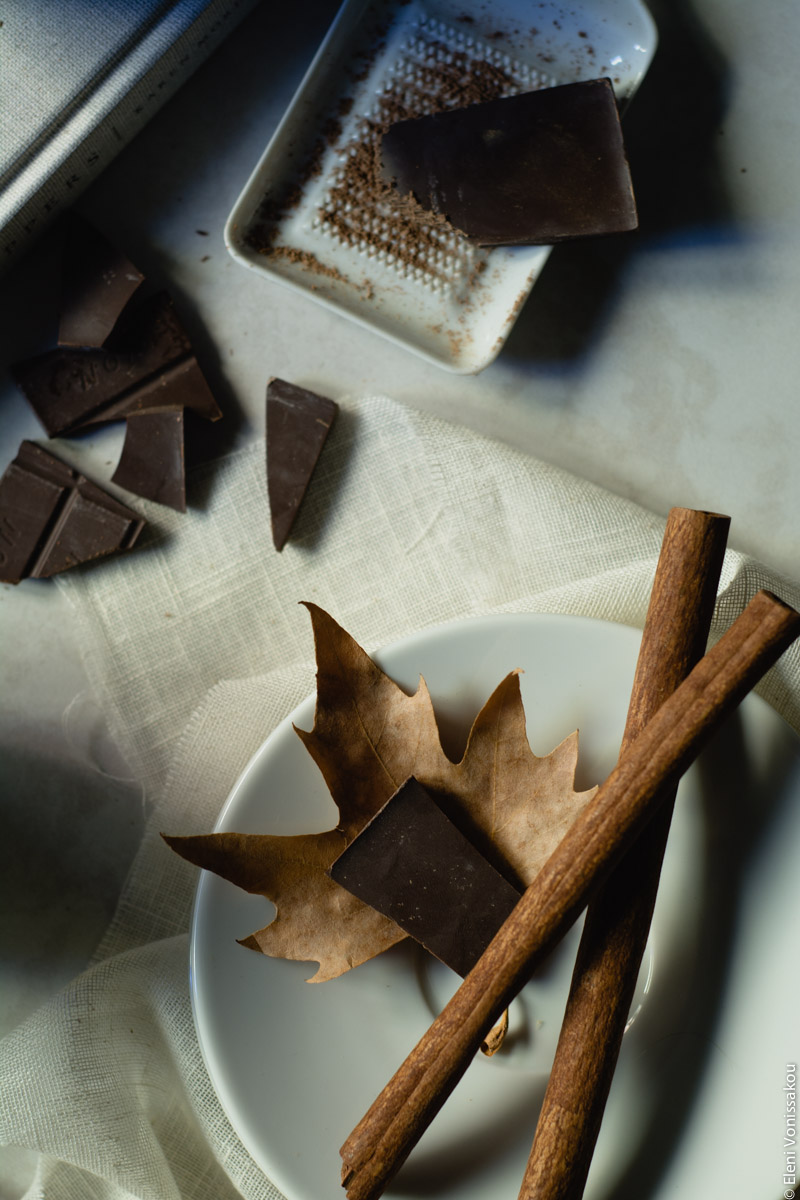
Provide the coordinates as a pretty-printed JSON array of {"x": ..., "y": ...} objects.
[{"x": 199, "y": 648}]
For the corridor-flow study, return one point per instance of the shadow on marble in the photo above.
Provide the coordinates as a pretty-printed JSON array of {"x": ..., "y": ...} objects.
[{"x": 71, "y": 833}]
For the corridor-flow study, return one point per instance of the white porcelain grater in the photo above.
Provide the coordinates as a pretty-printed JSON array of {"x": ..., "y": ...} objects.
[{"x": 312, "y": 216}]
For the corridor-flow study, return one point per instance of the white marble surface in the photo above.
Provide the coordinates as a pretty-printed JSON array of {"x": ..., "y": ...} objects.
[{"x": 664, "y": 367}]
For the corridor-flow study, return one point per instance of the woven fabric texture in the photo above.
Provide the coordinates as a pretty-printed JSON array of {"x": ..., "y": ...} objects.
[{"x": 198, "y": 649}]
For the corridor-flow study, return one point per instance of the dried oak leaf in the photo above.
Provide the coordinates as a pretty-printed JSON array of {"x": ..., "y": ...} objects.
[{"x": 368, "y": 737}]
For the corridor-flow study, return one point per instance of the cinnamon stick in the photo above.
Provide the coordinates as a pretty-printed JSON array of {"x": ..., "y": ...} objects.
[
  {"x": 588, "y": 852},
  {"x": 618, "y": 919}
]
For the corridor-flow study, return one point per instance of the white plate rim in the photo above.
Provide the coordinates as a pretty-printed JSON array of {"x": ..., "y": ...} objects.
[{"x": 301, "y": 713}]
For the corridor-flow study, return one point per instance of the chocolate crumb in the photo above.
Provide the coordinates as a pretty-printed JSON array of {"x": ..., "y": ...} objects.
[
  {"x": 359, "y": 76},
  {"x": 331, "y": 130},
  {"x": 306, "y": 259}
]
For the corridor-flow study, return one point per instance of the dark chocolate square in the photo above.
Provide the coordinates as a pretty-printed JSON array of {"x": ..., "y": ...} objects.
[
  {"x": 536, "y": 168},
  {"x": 52, "y": 517},
  {"x": 97, "y": 281},
  {"x": 152, "y": 463},
  {"x": 412, "y": 864},
  {"x": 147, "y": 363}
]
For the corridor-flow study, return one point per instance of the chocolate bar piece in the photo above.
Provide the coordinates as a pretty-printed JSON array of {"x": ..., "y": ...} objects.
[
  {"x": 298, "y": 422},
  {"x": 536, "y": 168},
  {"x": 152, "y": 462},
  {"x": 413, "y": 865},
  {"x": 97, "y": 281},
  {"x": 146, "y": 364},
  {"x": 52, "y": 518}
]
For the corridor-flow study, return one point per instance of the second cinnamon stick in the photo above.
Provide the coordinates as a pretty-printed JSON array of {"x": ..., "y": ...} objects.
[{"x": 618, "y": 920}]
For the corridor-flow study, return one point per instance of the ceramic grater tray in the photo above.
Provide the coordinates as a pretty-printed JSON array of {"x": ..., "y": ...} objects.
[{"x": 314, "y": 215}]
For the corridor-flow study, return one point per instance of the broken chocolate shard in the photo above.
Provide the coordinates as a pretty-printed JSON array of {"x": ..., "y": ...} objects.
[
  {"x": 531, "y": 169},
  {"x": 298, "y": 423},
  {"x": 52, "y": 518},
  {"x": 97, "y": 281},
  {"x": 152, "y": 463},
  {"x": 146, "y": 364},
  {"x": 412, "y": 864}
]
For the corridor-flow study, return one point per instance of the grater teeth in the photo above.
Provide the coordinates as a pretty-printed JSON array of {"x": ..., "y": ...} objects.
[
  {"x": 434, "y": 69},
  {"x": 427, "y": 66}
]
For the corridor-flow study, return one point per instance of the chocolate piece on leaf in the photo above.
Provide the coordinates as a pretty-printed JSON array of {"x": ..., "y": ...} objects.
[
  {"x": 298, "y": 423},
  {"x": 152, "y": 463},
  {"x": 97, "y": 281},
  {"x": 531, "y": 169},
  {"x": 413, "y": 865},
  {"x": 146, "y": 364},
  {"x": 368, "y": 736},
  {"x": 52, "y": 518}
]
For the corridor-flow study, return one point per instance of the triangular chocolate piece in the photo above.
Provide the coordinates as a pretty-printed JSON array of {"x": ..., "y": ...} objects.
[
  {"x": 52, "y": 518},
  {"x": 413, "y": 865},
  {"x": 298, "y": 422},
  {"x": 531, "y": 169},
  {"x": 152, "y": 462},
  {"x": 97, "y": 281}
]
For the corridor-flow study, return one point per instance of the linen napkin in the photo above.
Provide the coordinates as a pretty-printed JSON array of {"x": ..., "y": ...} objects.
[{"x": 198, "y": 649}]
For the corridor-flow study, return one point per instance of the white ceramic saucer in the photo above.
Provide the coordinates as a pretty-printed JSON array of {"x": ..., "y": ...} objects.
[{"x": 698, "y": 1092}]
